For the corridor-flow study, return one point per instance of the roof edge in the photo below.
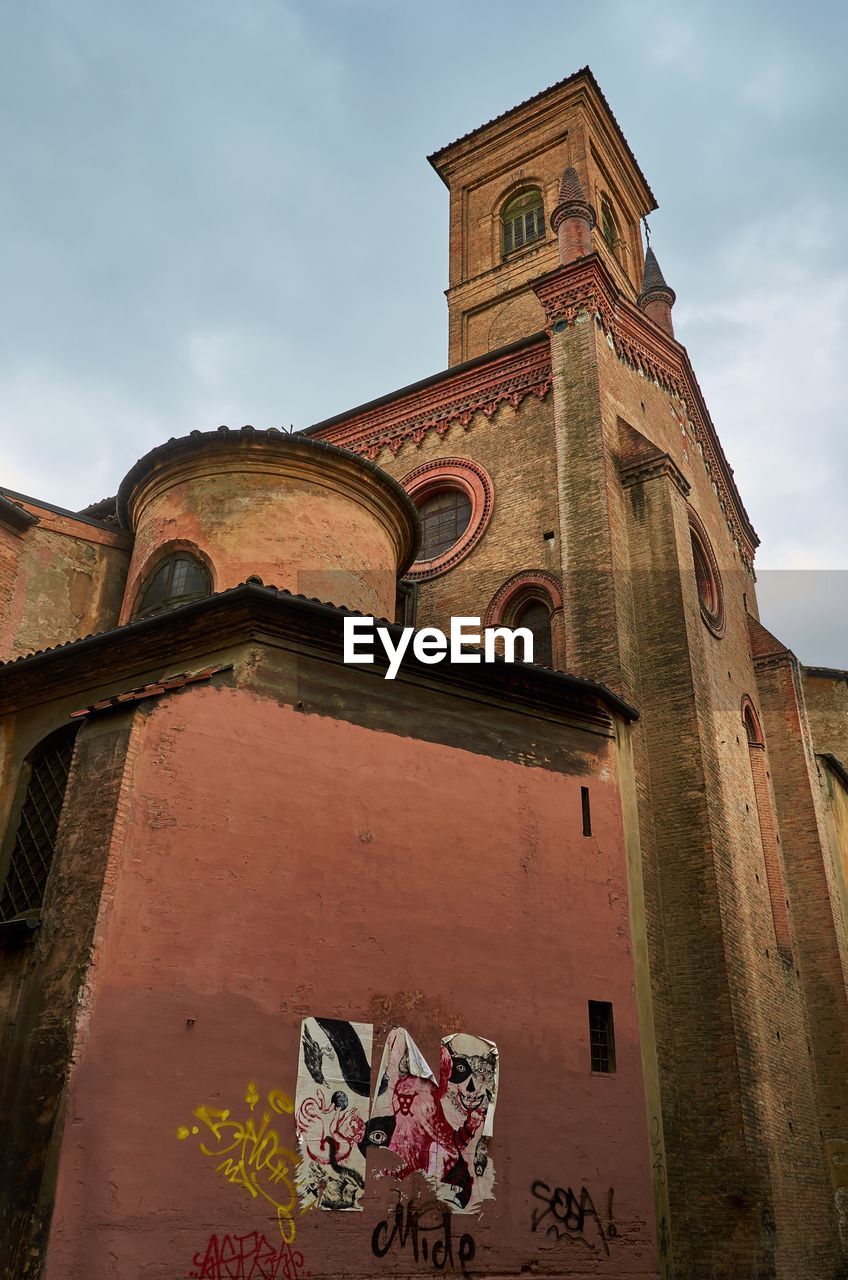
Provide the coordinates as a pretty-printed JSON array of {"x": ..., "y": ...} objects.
[
  {"x": 585, "y": 73},
  {"x": 247, "y": 593}
]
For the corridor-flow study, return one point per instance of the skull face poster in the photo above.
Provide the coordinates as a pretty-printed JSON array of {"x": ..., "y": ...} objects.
[
  {"x": 331, "y": 1111},
  {"x": 468, "y": 1088},
  {"x": 439, "y": 1129}
]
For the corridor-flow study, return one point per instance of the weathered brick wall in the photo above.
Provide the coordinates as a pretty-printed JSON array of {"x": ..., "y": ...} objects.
[
  {"x": 516, "y": 447},
  {"x": 61, "y": 579},
  {"x": 690, "y": 692},
  {"x": 41, "y": 982},
  {"x": 819, "y": 929},
  {"x": 826, "y": 700}
]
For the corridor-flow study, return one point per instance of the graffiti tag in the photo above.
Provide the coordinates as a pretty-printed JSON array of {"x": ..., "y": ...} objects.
[
  {"x": 428, "y": 1230},
  {"x": 568, "y": 1215},
  {"x": 248, "y": 1257},
  {"x": 657, "y": 1163},
  {"x": 250, "y": 1154}
]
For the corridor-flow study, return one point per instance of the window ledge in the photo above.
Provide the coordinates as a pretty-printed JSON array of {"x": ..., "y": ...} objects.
[
  {"x": 524, "y": 248},
  {"x": 20, "y": 928}
]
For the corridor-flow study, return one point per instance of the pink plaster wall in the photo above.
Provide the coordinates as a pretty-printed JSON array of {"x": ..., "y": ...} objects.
[{"x": 275, "y": 865}]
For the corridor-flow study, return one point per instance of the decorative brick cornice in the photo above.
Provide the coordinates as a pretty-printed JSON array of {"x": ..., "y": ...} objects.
[
  {"x": 457, "y": 396},
  {"x": 770, "y": 661},
  {"x": 650, "y": 467},
  {"x": 586, "y": 287}
]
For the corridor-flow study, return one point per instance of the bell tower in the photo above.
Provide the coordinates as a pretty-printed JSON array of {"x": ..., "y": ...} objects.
[{"x": 505, "y": 181}]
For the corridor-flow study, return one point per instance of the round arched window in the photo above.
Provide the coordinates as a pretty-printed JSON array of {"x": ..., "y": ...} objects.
[
  {"x": 444, "y": 519},
  {"x": 175, "y": 581},
  {"x": 707, "y": 579},
  {"x": 537, "y": 619},
  {"x": 532, "y": 599},
  {"x": 523, "y": 220}
]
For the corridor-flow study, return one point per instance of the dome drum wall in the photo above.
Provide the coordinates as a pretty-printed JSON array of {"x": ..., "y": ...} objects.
[{"x": 299, "y": 514}]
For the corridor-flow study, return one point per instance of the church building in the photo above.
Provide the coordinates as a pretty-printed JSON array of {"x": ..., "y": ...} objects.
[{"x": 489, "y": 969}]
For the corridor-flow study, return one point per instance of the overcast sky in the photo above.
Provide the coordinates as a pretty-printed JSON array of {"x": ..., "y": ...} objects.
[{"x": 219, "y": 211}]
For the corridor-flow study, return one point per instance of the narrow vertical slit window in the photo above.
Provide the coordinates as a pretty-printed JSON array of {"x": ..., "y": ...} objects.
[
  {"x": 34, "y": 841},
  {"x": 587, "y": 812},
  {"x": 601, "y": 1037}
]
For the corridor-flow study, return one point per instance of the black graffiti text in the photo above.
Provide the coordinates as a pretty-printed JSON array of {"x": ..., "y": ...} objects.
[
  {"x": 573, "y": 1217},
  {"x": 428, "y": 1231}
]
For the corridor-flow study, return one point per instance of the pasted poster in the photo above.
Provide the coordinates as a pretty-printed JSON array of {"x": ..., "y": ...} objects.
[
  {"x": 331, "y": 1112},
  {"x": 440, "y": 1129},
  {"x": 468, "y": 1090}
]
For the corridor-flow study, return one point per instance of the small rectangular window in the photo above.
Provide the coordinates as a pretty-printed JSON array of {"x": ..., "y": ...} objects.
[
  {"x": 587, "y": 812},
  {"x": 601, "y": 1037},
  {"x": 507, "y": 237}
]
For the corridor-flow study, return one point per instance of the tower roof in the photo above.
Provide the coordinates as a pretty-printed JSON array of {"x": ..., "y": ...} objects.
[
  {"x": 585, "y": 74},
  {"x": 571, "y": 188},
  {"x": 652, "y": 277}
]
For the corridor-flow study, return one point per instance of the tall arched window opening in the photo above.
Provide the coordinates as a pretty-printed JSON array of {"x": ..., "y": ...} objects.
[
  {"x": 609, "y": 226},
  {"x": 536, "y": 617},
  {"x": 523, "y": 220},
  {"x": 33, "y": 843}
]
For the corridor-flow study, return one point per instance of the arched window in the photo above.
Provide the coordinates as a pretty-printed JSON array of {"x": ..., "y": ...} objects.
[
  {"x": 536, "y": 617},
  {"x": 753, "y": 732},
  {"x": 523, "y": 220},
  {"x": 707, "y": 578},
  {"x": 609, "y": 226},
  {"x": 175, "y": 581},
  {"x": 33, "y": 844},
  {"x": 532, "y": 599},
  {"x": 444, "y": 519}
]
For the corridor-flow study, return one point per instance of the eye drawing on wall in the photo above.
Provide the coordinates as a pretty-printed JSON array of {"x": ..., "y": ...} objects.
[
  {"x": 331, "y": 1111},
  {"x": 439, "y": 1129}
]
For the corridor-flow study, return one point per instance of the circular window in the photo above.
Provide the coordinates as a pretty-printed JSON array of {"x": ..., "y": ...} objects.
[
  {"x": 444, "y": 519},
  {"x": 455, "y": 500},
  {"x": 707, "y": 579}
]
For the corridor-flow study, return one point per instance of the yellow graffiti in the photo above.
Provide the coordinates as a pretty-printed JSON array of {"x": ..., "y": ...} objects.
[{"x": 250, "y": 1154}]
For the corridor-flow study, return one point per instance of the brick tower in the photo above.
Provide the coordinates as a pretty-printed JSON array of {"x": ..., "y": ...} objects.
[{"x": 609, "y": 503}]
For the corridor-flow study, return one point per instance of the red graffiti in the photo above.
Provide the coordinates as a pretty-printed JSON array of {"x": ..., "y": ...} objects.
[{"x": 249, "y": 1257}]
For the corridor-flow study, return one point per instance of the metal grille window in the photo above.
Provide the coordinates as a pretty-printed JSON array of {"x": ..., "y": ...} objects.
[
  {"x": 177, "y": 580},
  {"x": 601, "y": 1038},
  {"x": 523, "y": 221},
  {"x": 444, "y": 519},
  {"x": 35, "y": 837},
  {"x": 537, "y": 619}
]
